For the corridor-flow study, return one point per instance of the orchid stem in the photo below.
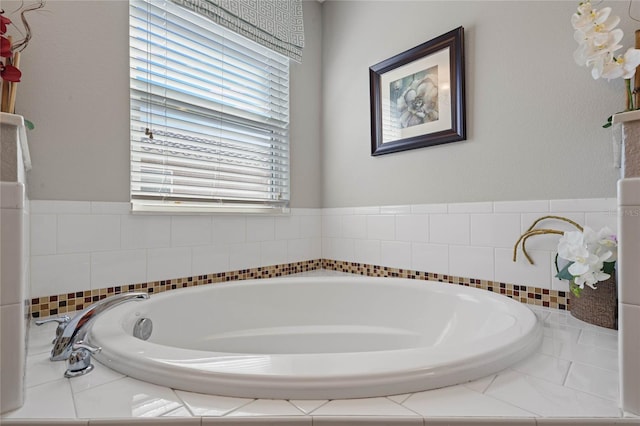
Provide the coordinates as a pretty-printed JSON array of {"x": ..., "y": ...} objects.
[{"x": 630, "y": 106}]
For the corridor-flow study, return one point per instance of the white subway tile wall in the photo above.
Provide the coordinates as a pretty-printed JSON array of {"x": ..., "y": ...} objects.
[
  {"x": 77, "y": 246},
  {"x": 60, "y": 273},
  {"x": 453, "y": 228},
  {"x": 473, "y": 240},
  {"x": 508, "y": 271}
]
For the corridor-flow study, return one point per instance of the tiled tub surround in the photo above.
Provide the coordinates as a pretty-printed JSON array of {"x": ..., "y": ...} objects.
[
  {"x": 14, "y": 259},
  {"x": 82, "y": 247},
  {"x": 571, "y": 379},
  {"x": 14, "y": 292},
  {"x": 60, "y": 304},
  {"x": 92, "y": 246},
  {"x": 629, "y": 291},
  {"x": 45, "y": 306},
  {"x": 463, "y": 240},
  {"x": 69, "y": 251},
  {"x": 525, "y": 294}
]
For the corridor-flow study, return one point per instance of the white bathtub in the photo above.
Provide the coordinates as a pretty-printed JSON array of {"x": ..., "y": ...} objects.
[{"x": 317, "y": 337}]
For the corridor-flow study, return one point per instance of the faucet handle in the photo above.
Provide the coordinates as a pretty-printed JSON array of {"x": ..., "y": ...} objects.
[
  {"x": 79, "y": 361},
  {"x": 62, "y": 323},
  {"x": 60, "y": 320},
  {"x": 82, "y": 345}
]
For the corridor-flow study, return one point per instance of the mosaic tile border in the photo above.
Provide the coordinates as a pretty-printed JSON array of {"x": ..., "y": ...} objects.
[
  {"x": 70, "y": 302},
  {"x": 522, "y": 293},
  {"x": 45, "y": 306}
]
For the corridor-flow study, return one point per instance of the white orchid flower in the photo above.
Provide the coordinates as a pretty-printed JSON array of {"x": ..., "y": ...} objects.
[
  {"x": 598, "y": 51},
  {"x": 589, "y": 236},
  {"x": 587, "y": 251},
  {"x": 622, "y": 66},
  {"x": 588, "y": 19},
  {"x": 587, "y": 54},
  {"x": 599, "y": 243},
  {"x": 571, "y": 246},
  {"x": 607, "y": 41},
  {"x": 610, "y": 70},
  {"x": 589, "y": 263},
  {"x": 589, "y": 270},
  {"x": 629, "y": 62},
  {"x": 598, "y": 39},
  {"x": 581, "y": 54},
  {"x": 599, "y": 27},
  {"x": 591, "y": 279},
  {"x": 584, "y": 15},
  {"x": 608, "y": 241},
  {"x": 583, "y": 265}
]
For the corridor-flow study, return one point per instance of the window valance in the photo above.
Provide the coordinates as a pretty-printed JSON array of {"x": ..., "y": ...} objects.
[{"x": 276, "y": 24}]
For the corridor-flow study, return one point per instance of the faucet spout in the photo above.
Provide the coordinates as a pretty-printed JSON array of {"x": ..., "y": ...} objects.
[{"x": 78, "y": 327}]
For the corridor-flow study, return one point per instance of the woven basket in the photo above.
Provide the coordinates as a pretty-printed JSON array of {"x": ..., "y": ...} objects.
[{"x": 599, "y": 306}]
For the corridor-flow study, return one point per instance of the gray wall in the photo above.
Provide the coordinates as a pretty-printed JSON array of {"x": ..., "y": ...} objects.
[
  {"x": 533, "y": 116},
  {"x": 76, "y": 91},
  {"x": 306, "y": 114}
]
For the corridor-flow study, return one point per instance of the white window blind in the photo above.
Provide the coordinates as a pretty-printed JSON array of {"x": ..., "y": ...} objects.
[{"x": 209, "y": 115}]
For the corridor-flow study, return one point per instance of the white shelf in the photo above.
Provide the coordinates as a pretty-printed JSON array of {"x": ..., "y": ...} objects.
[{"x": 623, "y": 117}]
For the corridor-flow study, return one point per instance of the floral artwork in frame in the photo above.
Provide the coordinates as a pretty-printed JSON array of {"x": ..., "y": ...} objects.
[{"x": 417, "y": 97}]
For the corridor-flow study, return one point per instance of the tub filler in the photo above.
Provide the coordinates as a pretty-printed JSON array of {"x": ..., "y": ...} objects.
[{"x": 317, "y": 337}]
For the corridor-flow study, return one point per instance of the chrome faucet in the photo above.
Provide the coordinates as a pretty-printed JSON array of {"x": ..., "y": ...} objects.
[{"x": 71, "y": 334}]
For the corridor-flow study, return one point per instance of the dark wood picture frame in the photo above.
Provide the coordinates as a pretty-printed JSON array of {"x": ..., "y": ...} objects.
[{"x": 418, "y": 97}]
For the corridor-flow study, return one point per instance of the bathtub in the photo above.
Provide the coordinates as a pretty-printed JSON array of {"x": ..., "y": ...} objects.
[{"x": 317, "y": 337}]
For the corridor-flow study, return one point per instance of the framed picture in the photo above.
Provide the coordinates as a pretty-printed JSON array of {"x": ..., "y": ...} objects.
[{"x": 417, "y": 97}]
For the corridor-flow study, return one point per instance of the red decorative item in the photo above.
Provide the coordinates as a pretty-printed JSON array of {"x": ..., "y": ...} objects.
[
  {"x": 4, "y": 21},
  {"x": 10, "y": 73},
  {"x": 5, "y": 47},
  {"x": 10, "y": 51}
]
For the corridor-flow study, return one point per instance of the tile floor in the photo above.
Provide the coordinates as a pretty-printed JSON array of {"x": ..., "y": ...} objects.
[{"x": 571, "y": 379}]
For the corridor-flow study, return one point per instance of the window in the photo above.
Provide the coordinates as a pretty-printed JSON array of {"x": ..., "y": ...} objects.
[{"x": 209, "y": 115}]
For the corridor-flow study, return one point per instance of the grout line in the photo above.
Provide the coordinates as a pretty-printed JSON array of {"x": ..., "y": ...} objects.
[
  {"x": 173, "y": 392},
  {"x": 184, "y": 404},
  {"x": 404, "y": 400},
  {"x": 495, "y": 376},
  {"x": 534, "y": 415},
  {"x": 407, "y": 408},
  {"x": 73, "y": 400},
  {"x": 321, "y": 405},
  {"x": 566, "y": 375},
  {"x": 239, "y": 407},
  {"x": 124, "y": 376},
  {"x": 165, "y": 415},
  {"x": 617, "y": 399}
]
